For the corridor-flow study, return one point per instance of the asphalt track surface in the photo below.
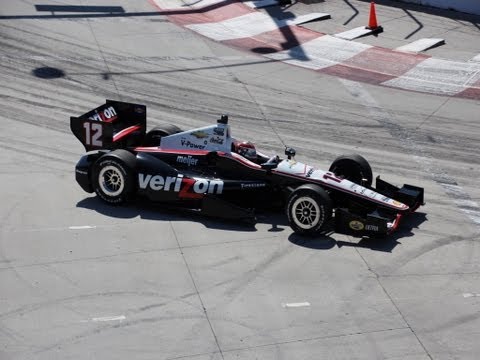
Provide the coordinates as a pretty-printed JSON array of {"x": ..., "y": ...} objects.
[{"x": 81, "y": 280}]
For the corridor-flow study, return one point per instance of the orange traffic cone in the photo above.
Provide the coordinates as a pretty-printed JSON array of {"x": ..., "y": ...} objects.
[{"x": 372, "y": 20}]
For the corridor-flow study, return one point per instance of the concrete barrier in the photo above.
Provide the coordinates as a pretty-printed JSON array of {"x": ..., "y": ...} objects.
[{"x": 467, "y": 6}]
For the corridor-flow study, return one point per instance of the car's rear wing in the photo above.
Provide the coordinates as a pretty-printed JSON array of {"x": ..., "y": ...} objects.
[{"x": 114, "y": 125}]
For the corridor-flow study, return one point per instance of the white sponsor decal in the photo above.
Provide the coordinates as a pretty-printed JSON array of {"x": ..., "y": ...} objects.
[
  {"x": 189, "y": 144},
  {"x": 187, "y": 160},
  {"x": 371, "y": 227},
  {"x": 179, "y": 183},
  {"x": 216, "y": 140},
  {"x": 253, "y": 185},
  {"x": 108, "y": 114}
]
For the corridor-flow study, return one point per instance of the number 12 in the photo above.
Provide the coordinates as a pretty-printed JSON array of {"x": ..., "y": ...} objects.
[{"x": 93, "y": 132}]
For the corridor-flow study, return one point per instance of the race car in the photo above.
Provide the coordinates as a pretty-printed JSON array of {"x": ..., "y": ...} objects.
[{"x": 209, "y": 171}]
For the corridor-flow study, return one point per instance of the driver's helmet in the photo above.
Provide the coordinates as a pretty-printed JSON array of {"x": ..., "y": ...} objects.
[{"x": 246, "y": 149}]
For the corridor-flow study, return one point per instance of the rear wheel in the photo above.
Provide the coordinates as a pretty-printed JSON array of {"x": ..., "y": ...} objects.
[
  {"x": 309, "y": 208},
  {"x": 152, "y": 137},
  {"x": 354, "y": 168},
  {"x": 114, "y": 176}
]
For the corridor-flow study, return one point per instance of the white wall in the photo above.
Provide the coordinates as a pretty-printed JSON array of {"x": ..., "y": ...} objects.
[{"x": 467, "y": 6}]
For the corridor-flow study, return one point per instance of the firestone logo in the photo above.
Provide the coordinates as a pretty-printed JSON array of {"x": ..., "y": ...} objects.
[{"x": 253, "y": 185}]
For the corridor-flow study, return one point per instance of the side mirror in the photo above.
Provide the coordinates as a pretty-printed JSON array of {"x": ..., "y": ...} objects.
[
  {"x": 268, "y": 166},
  {"x": 223, "y": 119},
  {"x": 290, "y": 152},
  {"x": 271, "y": 164}
]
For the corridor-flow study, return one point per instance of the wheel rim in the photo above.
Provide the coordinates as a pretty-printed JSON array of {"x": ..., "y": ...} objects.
[
  {"x": 111, "y": 181},
  {"x": 306, "y": 213}
]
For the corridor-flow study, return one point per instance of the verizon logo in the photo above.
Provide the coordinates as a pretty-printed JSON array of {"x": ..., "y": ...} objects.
[{"x": 187, "y": 187}]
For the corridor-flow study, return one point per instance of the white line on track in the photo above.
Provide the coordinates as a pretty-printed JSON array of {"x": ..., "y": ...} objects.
[
  {"x": 83, "y": 227},
  {"x": 109, "y": 318},
  {"x": 295, "y": 305},
  {"x": 468, "y": 295}
]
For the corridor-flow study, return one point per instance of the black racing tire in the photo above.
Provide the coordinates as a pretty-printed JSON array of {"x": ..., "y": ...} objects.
[
  {"x": 113, "y": 177},
  {"x": 309, "y": 209},
  {"x": 354, "y": 168},
  {"x": 153, "y": 137}
]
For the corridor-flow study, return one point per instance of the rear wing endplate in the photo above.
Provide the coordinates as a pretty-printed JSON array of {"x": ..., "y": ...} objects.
[{"x": 114, "y": 125}]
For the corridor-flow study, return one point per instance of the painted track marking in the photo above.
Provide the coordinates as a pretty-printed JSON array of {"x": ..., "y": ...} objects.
[
  {"x": 109, "y": 318},
  {"x": 295, "y": 305},
  {"x": 83, "y": 227}
]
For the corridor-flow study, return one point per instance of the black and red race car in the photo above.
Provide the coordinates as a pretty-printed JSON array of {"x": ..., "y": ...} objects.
[{"x": 207, "y": 170}]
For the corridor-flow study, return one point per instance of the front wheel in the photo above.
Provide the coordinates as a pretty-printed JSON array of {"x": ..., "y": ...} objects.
[
  {"x": 354, "y": 168},
  {"x": 113, "y": 176},
  {"x": 309, "y": 208}
]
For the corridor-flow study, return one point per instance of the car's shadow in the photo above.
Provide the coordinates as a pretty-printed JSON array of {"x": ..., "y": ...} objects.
[
  {"x": 151, "y": 211},
  {"x": 276, "y": 220}
]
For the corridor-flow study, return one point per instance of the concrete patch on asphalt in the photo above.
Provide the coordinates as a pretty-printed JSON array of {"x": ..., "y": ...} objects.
[
  {"x": 421, "y": 45},
  {"x": 356, "y": 33}
]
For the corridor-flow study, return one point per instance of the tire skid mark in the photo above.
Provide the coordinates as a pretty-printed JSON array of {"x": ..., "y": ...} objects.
[
  {"x": 239, "y": 284},
  {"x": 456, "y": 322},
  {"x": 25, "y": 309},
  {"x": 32, "y": 145},
  {"x": 33, "y": 45},
  {"x": 13, "y": 335},
  {"x": 411, "y": 255},
  {"x": 35, "y": 154},
  {"x": 418, "y": 152},
  {"x": 105, "y": 327},
  {"x": 426, "y": 161},
  {"x": 162, "y": 304}
]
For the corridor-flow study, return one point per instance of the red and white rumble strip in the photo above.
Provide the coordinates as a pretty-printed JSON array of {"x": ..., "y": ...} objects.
[{"x": 237, "y": 24}]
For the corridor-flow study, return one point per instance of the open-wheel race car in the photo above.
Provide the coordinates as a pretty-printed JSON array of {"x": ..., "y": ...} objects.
[{"x": 208, "y": 171}]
